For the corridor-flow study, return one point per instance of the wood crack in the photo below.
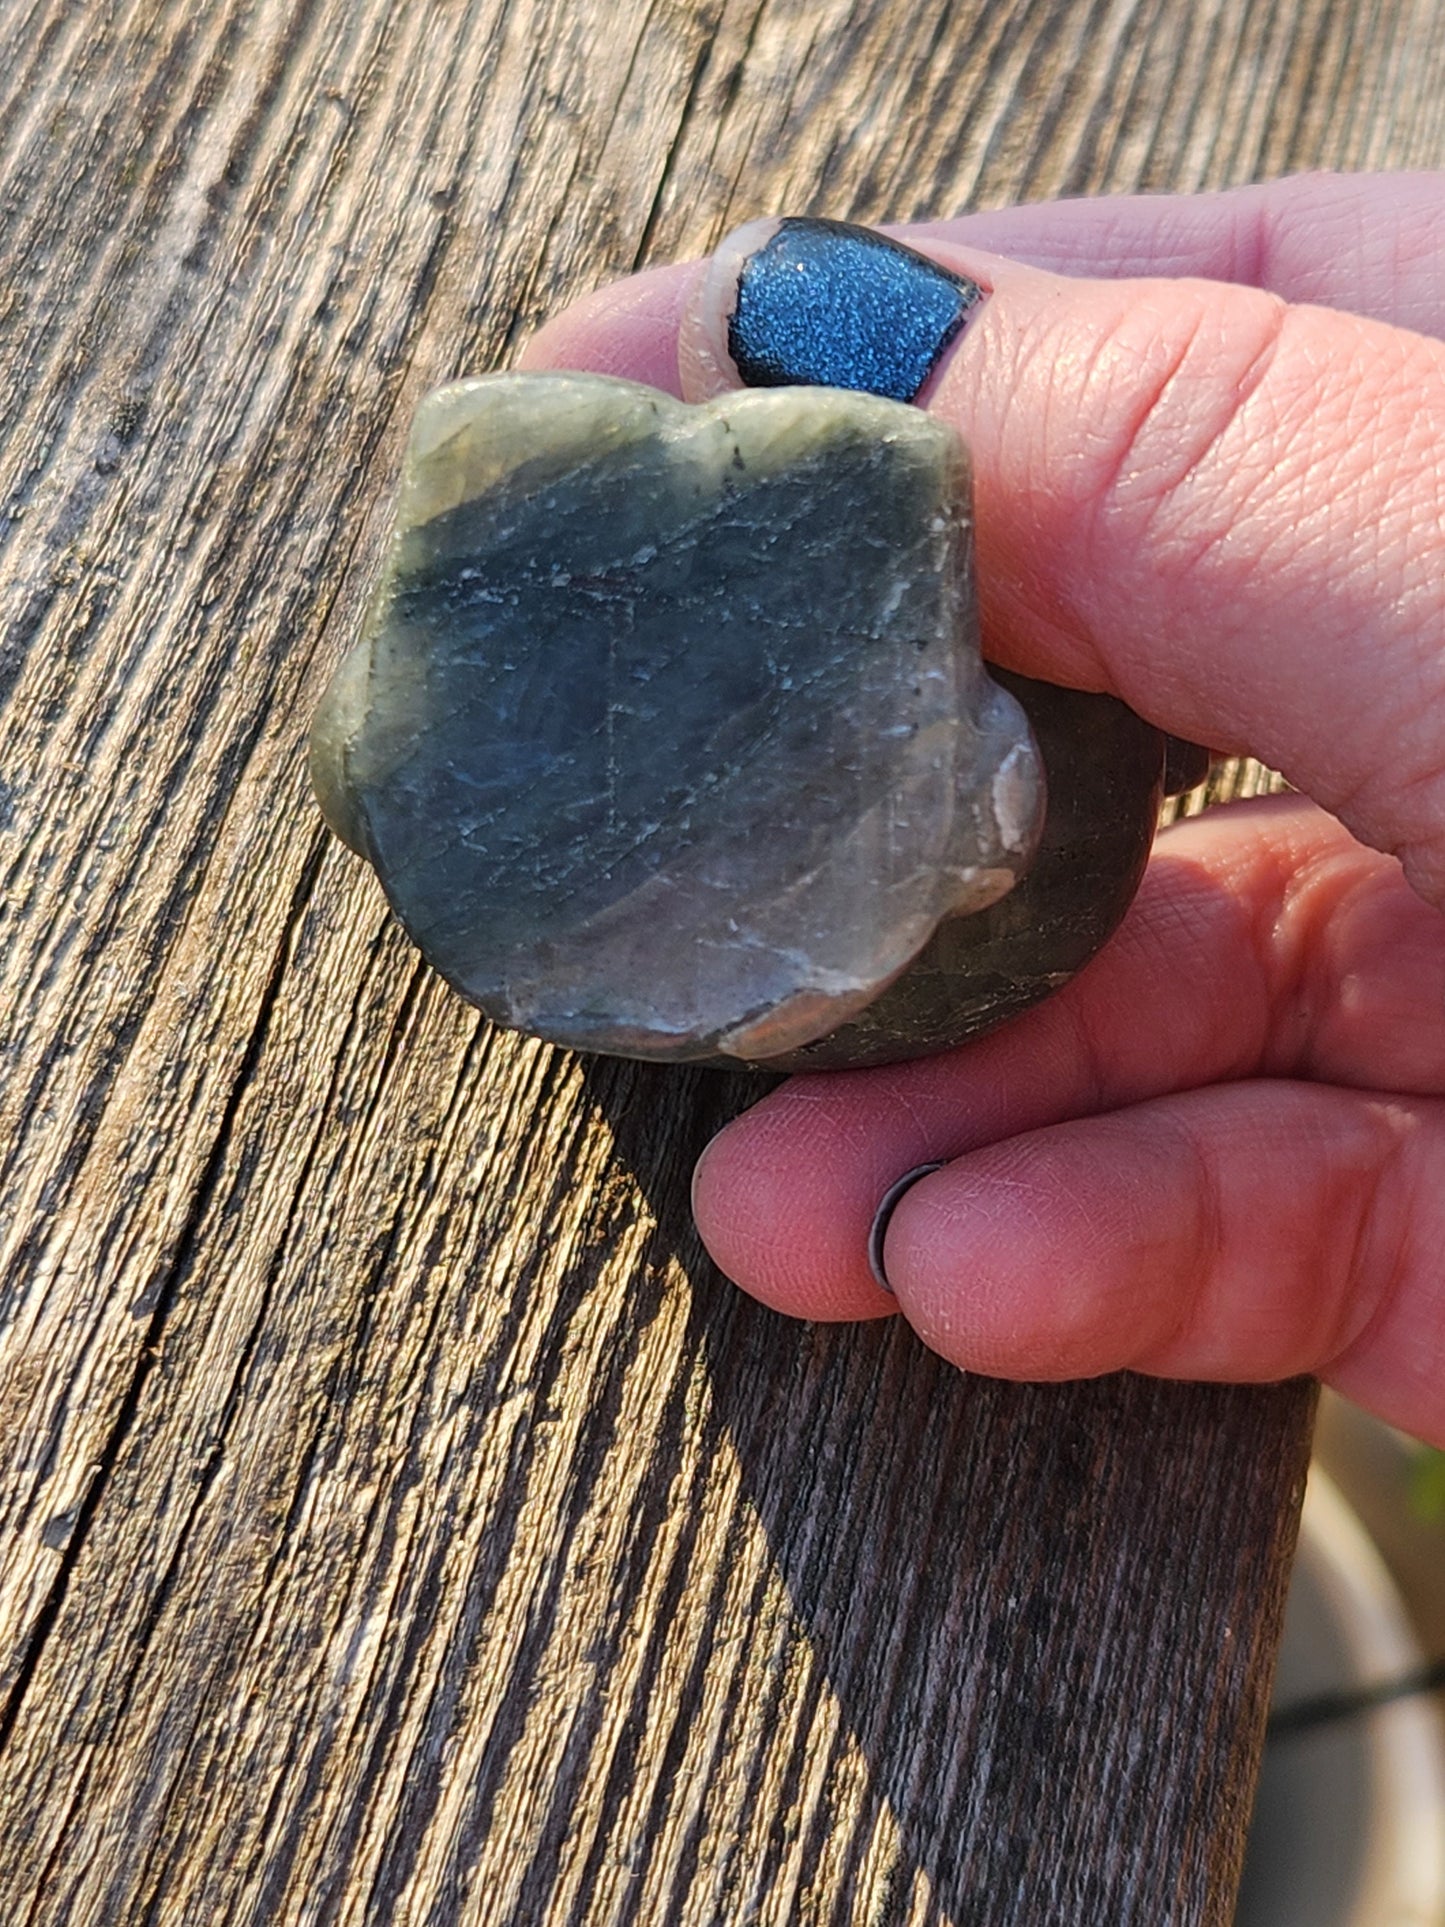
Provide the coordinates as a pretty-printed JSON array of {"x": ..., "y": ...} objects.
[
  {"x": 150, "y": 1348},
  {"x": 700, "y": 66}
]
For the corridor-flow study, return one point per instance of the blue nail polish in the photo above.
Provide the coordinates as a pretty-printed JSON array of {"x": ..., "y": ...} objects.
[{"x": 827, "y": 303}]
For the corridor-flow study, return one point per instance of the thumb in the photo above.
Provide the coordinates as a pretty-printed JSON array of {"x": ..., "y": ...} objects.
[{"x": 1224, "y": 508}]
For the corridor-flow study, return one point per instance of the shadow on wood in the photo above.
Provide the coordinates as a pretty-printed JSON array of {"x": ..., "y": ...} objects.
[{"x": 1048, "y": 1659}]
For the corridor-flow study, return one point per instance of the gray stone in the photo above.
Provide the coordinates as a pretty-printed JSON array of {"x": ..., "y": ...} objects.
[
  {"x": 668, "y": 734},
  {"x": 1105, "y": 770}
]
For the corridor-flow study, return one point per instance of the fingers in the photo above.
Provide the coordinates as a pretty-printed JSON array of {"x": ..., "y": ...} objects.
[
  {"x": 1247, "y": 1232},
  {"x": 628, "y": 329},
  {"x": 1365, "y": 243},
  {"x": 1263, "y": 940},
  {"x": 1230, "y": 513}
]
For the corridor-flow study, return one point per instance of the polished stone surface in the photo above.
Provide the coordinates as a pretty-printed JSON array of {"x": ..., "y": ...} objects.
[
  {"x": 1105, "y": 772},
  {"x": 668, "y": 735}
]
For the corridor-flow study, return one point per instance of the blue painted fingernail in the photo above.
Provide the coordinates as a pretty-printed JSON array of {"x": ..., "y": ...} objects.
[
  {"x": 828, "y": 303},
  {"x": 882, "y": 1217}
]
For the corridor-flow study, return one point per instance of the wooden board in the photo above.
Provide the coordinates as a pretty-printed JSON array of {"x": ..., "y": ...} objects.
[{"x": 402, "y": 1522}]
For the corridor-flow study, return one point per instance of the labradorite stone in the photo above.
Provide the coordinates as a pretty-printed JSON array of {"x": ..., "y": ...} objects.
[
  {"x": 668, "y": 734},
  {"x": 1105, "y": 770}
]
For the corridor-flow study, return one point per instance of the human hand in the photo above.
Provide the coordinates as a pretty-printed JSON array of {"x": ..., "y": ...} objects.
[{"x": 1220, "y": 1151}]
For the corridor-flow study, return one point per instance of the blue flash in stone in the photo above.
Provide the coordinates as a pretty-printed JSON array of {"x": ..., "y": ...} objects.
[{"x": 829, "y": 304}]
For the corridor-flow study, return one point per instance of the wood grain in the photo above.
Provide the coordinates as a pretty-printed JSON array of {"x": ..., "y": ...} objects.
[{"x": 403, "y": 1524}]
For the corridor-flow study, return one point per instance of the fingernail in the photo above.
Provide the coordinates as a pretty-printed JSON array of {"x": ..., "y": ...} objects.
[
  {"x": 882, "y": 1217},
  {"x": 813, "y": 302},
  {"x": 697, "y": 1175}
]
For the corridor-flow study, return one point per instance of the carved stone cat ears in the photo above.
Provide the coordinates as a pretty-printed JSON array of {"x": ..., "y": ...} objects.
[{"x": 669, "y": 737}]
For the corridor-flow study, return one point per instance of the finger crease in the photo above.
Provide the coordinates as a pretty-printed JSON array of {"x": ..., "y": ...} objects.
[
  {"x": 1364, "y": 1263},
  {"x": 1208, "y": 1230}
]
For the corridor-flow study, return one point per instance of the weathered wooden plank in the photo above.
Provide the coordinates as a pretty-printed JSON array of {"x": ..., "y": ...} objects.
[{"x": 402, "y": 1523}]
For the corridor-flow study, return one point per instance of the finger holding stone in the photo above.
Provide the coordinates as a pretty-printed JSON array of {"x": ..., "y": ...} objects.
[
  {"x": 1176, "y": 483},
  {"x": 1264, "y": 940}
]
